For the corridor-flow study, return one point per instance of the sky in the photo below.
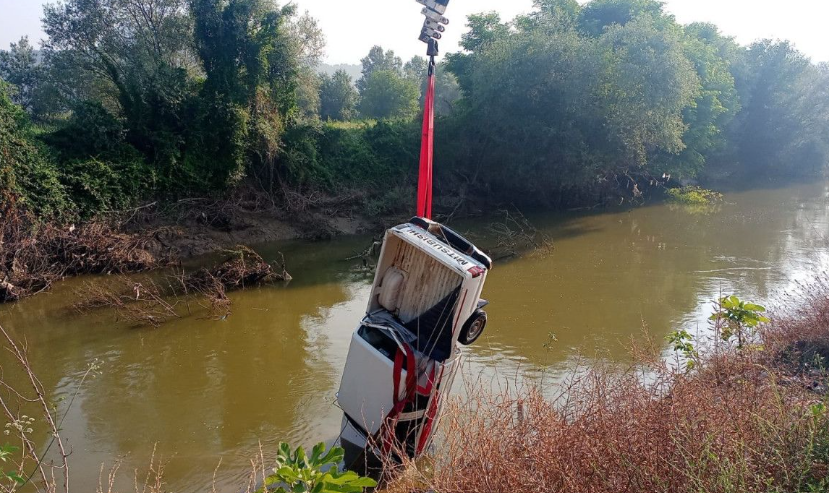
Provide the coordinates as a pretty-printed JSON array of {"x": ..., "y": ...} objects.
[{"x": 353, "y": 27}]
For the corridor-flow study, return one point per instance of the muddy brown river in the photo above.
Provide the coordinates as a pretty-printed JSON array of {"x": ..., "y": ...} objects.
[{"x": 199, "y": 390}]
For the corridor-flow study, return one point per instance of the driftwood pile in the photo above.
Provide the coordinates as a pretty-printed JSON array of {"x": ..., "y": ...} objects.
[
  {"x": 154, "y": 301},
  {"x": 33, "y": 256},
  {"x": 515, "y": 235}
]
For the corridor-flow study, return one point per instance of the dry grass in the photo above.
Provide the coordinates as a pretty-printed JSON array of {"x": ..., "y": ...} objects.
[{"x": 751, "y": 420}]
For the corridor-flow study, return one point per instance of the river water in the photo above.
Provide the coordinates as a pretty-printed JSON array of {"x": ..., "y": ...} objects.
[{"x": 199, "y": 390}]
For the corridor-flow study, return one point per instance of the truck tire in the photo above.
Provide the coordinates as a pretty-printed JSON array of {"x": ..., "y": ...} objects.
[{"x": 473, "y": 328}]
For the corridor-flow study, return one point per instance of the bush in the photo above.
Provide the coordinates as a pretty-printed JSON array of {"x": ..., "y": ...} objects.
[
  {"x": 90, "y": 131},
  {"x": 98, "y": 168},
  {"x": 694, "y": 196},
  {"x": 26, "y": 169},
  {"x": 99, "y": 186},
  {"x": 370, "y": 157}
]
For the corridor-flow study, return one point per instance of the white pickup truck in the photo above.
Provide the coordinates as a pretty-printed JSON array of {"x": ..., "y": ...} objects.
[{"x": 425, "y": 303}]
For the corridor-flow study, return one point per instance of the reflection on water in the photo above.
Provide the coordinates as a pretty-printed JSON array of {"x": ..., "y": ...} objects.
[{"x": 203, "y": 389}]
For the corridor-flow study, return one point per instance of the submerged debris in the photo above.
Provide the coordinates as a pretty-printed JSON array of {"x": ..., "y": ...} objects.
[
  {"x": 242, "y": 268},
  {"x": 515, "y": 234},
  {"x": 155, "y": 301}
]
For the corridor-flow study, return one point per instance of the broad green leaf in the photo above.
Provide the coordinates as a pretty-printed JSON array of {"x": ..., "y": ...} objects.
[
  {"x": 340, "y": 478},
  {"x": 272, "y": 480},
  {"x": 342, "y": 488},
  {"x": 289, "y": 475},
  {"x": 284, "y": 451},
  {"x": 301, "y": 458},
  {"x": 754, "y": 308},
  {"x": 334, "y": 456},
  {"x": 319, "y": 449},
  {"x": 15, "y": 477},
  {"x": 364, "y": 483}
]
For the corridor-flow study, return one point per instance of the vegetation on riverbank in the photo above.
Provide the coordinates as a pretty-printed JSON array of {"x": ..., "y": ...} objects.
[
  {"x": 34, "y": 255},
  {"x": 566, "y": 106},
  {"x": 154, "y": 300},
  {"x": 694, "y": 196},
  {"x": 751, "y": 417},
  {"x": 569, "y": 106}
]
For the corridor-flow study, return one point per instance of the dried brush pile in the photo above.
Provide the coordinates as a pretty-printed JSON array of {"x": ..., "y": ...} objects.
[
  {"x": 153, "y": 301},
  {"x": 34, "y": 255},
  {"x": 742, "y": 420},
  {"x": 242, "y": 268}
]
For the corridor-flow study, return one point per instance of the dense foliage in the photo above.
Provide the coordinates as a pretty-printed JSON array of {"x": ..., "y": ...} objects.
[
  {"x": 338, "y": 97},
  {"x": 146, "y": 99},
  {"x": 616, "y": 93}
]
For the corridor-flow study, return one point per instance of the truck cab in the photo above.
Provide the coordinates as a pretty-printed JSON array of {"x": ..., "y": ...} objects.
[{"x": 425, "y": 304}]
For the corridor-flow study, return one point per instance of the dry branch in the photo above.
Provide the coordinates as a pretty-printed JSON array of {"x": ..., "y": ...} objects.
[
  {"x": 34, "y": 255},
  {"x": 151, "y": 302},
  {"x": 515, "y": 234}
]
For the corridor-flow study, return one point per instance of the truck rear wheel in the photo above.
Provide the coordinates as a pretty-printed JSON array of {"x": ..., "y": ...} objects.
[{"x": 473, "y": 328}]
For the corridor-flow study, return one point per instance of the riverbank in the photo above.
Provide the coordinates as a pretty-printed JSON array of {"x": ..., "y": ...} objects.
[
  {"x": 36, "y": 254},
  {"x": 726, "y": 419}
]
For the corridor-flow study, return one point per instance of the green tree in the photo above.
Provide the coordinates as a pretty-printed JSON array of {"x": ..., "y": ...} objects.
[
  {"x": 250, "y": 89},
  {"x": 598, "y": 15},
  {"x": 529, "y": 101},
  {"x": 378, "y": 60},
  {"x": 571, "y": 111},
  {"x": 773, "y": 133},
  {"x": 709, "y": 116},
  {"x": 19, "y": 66},
  {"x": 550, "y": 14},
  {"x": 308, "y": 46},
  {"x": 649, "y": 84},
  {"x": 309, "y": 86},
  {"x": 139, "y": 54},
  {"x": 416, "y": 69},
  {"x": 484, "y": 30},
  {"x": 27, "y": 175},
  {"x": 447, "y": 91},
  {"x": 389, "y": 95},
  {"x": 338, "y": 97}
]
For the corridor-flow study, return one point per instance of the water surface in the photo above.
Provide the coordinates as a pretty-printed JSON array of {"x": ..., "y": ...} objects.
[{"x": 199, "y": 390}]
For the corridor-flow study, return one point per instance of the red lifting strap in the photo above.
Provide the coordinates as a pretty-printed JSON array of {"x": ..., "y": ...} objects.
[
  {"x": 431, "y": 415},
  {"x": 411, "y": 387},
  {"x": 411, "y": 377},
  {"x": 424, "y": 185}
]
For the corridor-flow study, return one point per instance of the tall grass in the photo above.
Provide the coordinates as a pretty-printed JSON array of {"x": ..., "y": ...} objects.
[{"x": 744, "y": 420}]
